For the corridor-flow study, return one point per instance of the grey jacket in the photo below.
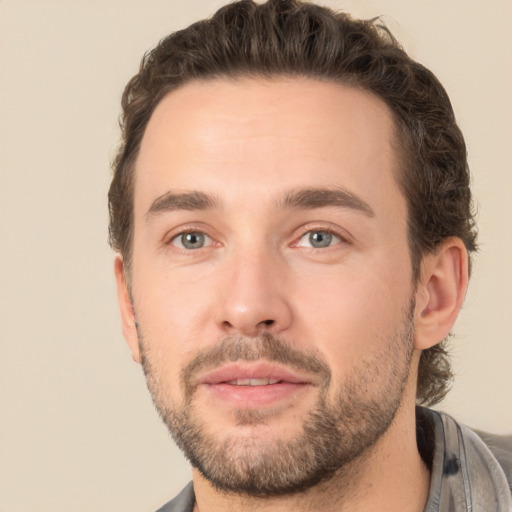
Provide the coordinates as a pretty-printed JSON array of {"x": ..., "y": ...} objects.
[{"x": 469, "y": 472}]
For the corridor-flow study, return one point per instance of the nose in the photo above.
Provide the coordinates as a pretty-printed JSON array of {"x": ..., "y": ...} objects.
[{"x": 253, "y": 297}]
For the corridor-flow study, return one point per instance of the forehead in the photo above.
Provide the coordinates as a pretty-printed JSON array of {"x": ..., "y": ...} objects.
[{"x": 260, "y": 135}]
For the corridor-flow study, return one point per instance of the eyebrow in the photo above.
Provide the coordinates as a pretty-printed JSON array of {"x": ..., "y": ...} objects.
[
  {"x": 324, "y": 197},
  {"x": 305, "y": 199},
  {"x": 172, "y": 201}
]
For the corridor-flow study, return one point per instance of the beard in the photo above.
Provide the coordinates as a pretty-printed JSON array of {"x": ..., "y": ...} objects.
[{"x": 337, "y": 431}]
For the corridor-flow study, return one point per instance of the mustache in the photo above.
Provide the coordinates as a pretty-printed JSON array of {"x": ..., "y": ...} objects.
[{"x": 265, "y": 346}]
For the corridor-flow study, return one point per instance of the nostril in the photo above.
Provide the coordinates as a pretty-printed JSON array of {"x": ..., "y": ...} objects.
[{"x": 267, "y": 322}]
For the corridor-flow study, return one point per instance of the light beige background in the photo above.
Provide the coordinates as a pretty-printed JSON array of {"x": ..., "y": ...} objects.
[{"x": 77, "y": 429}]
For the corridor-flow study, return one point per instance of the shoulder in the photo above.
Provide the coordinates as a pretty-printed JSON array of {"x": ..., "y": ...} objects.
[
  {"x": 485, "y": 459},
  {"x": 501, "y": 448},
  {"x": 183, "y": 502}
]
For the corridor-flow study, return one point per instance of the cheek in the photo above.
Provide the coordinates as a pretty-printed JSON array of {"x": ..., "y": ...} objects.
[
  {"x": 351, "y": 314},
  {"x": 172, "y": 316}
]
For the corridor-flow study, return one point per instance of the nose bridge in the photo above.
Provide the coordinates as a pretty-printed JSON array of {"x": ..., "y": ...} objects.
[{"x": 253, "y": 298}]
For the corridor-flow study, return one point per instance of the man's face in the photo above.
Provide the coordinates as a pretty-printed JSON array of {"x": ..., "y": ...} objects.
[{"x": 271, "y": 277}]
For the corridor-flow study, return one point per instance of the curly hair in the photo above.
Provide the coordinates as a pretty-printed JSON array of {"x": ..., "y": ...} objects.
[{"x": 294, "y": 38}]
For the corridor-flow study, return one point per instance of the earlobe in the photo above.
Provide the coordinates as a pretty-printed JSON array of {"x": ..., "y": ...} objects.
[
  {"x": 440, "y": 292},
  {"x": 128, "y": 321}
]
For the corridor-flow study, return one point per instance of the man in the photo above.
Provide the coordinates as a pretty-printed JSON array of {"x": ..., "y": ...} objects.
[{"x": 292, "y": 215}]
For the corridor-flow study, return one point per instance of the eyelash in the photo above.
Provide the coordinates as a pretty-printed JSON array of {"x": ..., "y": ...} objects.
[
  {"x": 320, "y": 229},
  {"x": 188, "y": 230},
  {"x": 305, "y": 231}
]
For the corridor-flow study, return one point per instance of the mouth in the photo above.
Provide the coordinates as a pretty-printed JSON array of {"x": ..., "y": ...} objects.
[
  {"x": 253, "y": 385},
  {"x": 252, "y": 382}
]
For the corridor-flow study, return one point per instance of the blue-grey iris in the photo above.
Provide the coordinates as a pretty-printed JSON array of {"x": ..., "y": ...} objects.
[
  {"x": 319, "y": 239},
  {"x": 193, "y": 240}
]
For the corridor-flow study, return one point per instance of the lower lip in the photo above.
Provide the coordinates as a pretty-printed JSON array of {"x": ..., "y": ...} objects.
[{"x": 255, "y": 396}]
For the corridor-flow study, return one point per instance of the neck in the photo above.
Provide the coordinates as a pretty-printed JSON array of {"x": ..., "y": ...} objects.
[{"x": 389, "y": 476}]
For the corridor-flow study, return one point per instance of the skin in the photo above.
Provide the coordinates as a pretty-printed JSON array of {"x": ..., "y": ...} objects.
[{"x": 247, "y": 145}]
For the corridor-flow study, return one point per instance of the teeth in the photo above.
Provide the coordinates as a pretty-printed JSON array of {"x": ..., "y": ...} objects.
[{"x": 253, "y": 382}]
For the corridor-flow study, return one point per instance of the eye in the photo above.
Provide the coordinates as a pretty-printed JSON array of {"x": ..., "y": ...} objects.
[
  {"x": 318, "y": 239},
  {"x": 191, "y": 240}
]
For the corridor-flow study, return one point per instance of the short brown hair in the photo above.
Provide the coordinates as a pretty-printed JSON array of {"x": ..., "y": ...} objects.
[{"x": 291, "y": 37}]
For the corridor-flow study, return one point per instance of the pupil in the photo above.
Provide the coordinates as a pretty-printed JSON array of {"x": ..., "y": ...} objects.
[
  {"x": 193, "y": 240},
  {"x": 320, "y": 239}
]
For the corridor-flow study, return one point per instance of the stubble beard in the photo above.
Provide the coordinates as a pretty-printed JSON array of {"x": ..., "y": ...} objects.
[{"x": 334, "y": 434}]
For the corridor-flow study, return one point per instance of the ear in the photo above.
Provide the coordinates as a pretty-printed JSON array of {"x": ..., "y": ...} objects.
[
  {"x": 440, "y": 292},
  {"x": 128, "y": 321}
]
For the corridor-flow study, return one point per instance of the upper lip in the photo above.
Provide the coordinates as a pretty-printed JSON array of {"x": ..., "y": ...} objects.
[{"x": 251, "y": 370}]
